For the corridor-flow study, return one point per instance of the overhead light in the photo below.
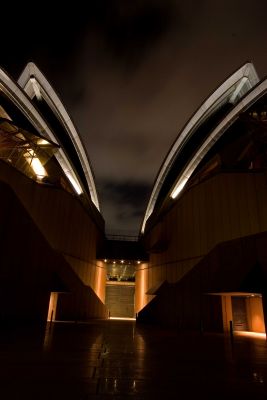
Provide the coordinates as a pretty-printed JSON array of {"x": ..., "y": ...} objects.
[
  {"x": 105, "y": 260},
  {"x": 138, "y": 262},
  {"x": 35, "y": 164},
  {"x": 42, "y": 142},
  {"x": 114, "y": 262},
  {"x": 122, "y": 261}
]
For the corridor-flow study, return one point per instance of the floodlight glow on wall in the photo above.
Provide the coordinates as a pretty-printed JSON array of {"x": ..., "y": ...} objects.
[
  {"x": 74, "y": 183},
  {"x": 35, "y": 164},
  {"x": 34, "y": 83},
  {"x": 179, "y": 188},
  {"x": 42, "y": 142}
]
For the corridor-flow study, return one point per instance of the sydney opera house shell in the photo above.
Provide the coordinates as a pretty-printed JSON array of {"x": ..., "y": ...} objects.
[
  {"x": 50, "y": 220},
  {"x": 206, "y": 221},
  {"x": 203, "y": 235}
]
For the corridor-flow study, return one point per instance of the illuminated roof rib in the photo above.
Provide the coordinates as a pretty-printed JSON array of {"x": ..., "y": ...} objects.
[
  {"x": 19, "y": 98},
  {"x": 36, "y": 85},
  {"x": 231, "y": 91}
]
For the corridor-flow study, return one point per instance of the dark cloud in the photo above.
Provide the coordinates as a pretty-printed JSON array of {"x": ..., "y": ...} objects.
[
  {"x": 132, "y": 28},
  {"x": 128, "y": 199},
  {"x": 127, "y": 192}
]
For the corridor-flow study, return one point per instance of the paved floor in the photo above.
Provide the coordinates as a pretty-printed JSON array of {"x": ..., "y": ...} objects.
[{"x": 119, "y": 360}]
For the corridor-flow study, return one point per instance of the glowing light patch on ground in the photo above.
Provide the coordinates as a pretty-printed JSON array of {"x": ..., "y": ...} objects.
[
  {"x": 123, "y": 319},
  {"x": 255, "y": 335}
]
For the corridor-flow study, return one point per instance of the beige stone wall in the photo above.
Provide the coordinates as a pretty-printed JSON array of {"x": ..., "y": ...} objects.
[
  {"x": 224, "y": 207},
  {"x": 255, "y": 314},
  {"x": 141, "y": 287},
  {"x": 227, "y": 312},
  {"x": 65, "y": 223}
]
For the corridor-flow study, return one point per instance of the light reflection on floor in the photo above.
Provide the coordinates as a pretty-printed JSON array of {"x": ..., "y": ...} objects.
[
  {"x": 122, "y": 318},
  {"x": 255, "y": 335},
  {"x": 122, "y": 360}
]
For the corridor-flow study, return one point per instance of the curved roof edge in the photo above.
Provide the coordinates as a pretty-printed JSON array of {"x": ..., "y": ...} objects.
[
  {"x": 231, "y": 90},
  {"x": 16, "y": 94},
  {"x": 32, "y": 80},
  {"x": 245, "y": 103}
]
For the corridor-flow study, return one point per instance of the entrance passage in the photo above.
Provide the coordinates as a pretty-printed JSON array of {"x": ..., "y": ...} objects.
[
  {"x": 239, "y": 310},
  {"x": 120, "y": 300},
  {"x": 244, "y": 311},
  {"x": 120, "y": 289}
]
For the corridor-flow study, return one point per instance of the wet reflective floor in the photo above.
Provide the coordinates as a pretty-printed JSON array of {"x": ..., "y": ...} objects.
[{"x": 121, "y": 360}]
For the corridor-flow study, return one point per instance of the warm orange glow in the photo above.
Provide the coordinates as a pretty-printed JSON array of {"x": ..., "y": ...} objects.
[
  {"x": 52, "y": 308},
  {"x": 254, "y": 310},
  {"x": 226, "y": 312},
  {"x": 124, "y": 319},
  {"x": 35, "y": 164},
  {"x": 255, "y": 335},
  {"x": 257, "y": 320},
  {"x": 100, "y": 280},
  {"x": 255, "y": 314},
  {"x": 141, "y": 286}
]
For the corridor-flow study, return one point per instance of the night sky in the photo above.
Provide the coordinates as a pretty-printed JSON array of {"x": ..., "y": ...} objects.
[{"x": 130, "y": 74}]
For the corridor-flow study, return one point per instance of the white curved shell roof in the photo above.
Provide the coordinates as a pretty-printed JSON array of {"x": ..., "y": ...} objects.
[
  {"x": 34, "y": 83},
  {"x": 231, "y": 91}
]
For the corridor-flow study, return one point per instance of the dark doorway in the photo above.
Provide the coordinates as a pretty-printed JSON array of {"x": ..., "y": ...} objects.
[
  {"x": 240, "y": 322},
  {"x": 120, "y": 300}
]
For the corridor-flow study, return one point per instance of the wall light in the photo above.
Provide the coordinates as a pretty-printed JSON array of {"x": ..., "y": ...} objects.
[{"x": 35, "y": 164}]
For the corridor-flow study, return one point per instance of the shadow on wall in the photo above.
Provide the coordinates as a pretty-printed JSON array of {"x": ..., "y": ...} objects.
[{"x": 236, "y": 266}]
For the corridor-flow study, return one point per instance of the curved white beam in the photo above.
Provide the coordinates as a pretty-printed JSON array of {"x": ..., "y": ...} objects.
[
  {"x": 231, "y": 117},
  {"x": 230, "y": 91},
  {"x": 22, "y": 101},
  {"x": 34, "y": 83}
]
